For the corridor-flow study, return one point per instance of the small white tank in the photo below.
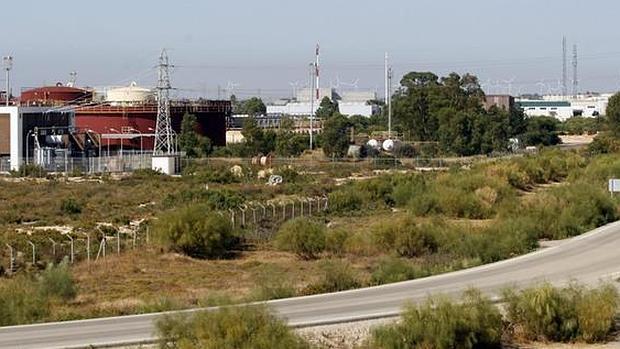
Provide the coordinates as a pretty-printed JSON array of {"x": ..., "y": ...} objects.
[
  {"x": 390, "y": 145},
  {"x": 373, "y": 143}
]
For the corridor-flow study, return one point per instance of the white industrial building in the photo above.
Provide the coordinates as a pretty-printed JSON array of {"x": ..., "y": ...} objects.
[
  {"x": 565, "y": 107},
  {"x": 349, "y": 103}
]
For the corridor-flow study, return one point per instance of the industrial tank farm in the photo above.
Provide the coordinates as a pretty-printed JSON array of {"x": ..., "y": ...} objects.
[{"x": 57, "y": 95}]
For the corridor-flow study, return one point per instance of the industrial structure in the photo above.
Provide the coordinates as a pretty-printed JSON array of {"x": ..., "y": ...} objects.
[
  {"x": 349, "y": 103},
  {"x": 565, "y": 107},
  {"x": 51, "y": 124}
]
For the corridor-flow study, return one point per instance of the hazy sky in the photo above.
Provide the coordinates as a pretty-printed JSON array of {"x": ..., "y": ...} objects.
[{"x": 266, "y": 45}]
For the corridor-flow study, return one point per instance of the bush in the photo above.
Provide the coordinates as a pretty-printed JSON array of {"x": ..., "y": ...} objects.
[
  {"x": 272, "y": 284},
  {"x": 568, "y": 314},
  {"x": 392, "y": 269},
  {"x": 302, "y": 236},
  {"x": 196, "y": 232},
  {"x": 406, "y": 237},
  {"x": 70, "y": 206},
  {"x": 21, "y": 302},
  {"x": 442, "y": 324},
  {"x": 25, "y": 299},
  {"x": 335, "y": 276},
  {"x": 336, "y": 240},
  {"x": 569, "y": 210},
  {"x": 346, "y": 200},
  {"x": 239, "y": 327},
  {"x": 57, "y": 282}
]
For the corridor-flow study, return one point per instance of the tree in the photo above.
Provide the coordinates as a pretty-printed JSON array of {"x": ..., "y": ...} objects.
[
  {"x": 335, "y": 139},
  {"x": 188, "y": 139},
  {"x": 541, "y": 130},
  {"x": 613, "y": 115},
  {"x": 327, "y": 108},
  {"x": 192, "y": 143},
  {"x": 252, "y": 107}
]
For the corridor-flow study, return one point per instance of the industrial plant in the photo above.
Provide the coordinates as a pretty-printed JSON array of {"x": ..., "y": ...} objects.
[{"x": 48, "y": 125}]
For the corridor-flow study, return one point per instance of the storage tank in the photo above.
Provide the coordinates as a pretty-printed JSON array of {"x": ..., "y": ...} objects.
[
  {"x": 390, "y": 145},
  {"x": 373, "y": 143},
  {"x": 131, "y": 94},
  {"x": 54, "y": 95}
]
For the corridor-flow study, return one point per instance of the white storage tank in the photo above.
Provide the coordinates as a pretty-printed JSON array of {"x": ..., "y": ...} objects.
[
  {"x": 390, "y": 145},
  {"x": 128, "y": 95},
  {"x": 373, "y": 143}
]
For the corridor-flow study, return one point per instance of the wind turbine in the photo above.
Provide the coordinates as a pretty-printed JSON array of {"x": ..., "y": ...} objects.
[
  {"x": 508, "y": 84},
  {"x": 353, "y": 84},
  {"x": 230, "y": 88},
  {"x": 295, "y": 86},
  {"x": 542, "y": 86}
]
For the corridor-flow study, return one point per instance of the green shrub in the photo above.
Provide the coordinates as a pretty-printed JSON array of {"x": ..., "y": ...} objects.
[
  {"x": 569, "y": 210},
  {"x": 238, "y": 327},
  {"x": 336, "y": 241},
  {"x": 21, "y": 302},
  {"x": 392, "y": 269},
  {"x": 56, "y": 281},
  {"x": 30, "y": 170},
  {"x": 272, "y": 284},
  {"x": 346, "y": 200},
  {"x": 196, "y": 232},
  {"x": 335, "y": 276},
  {"x": 406, "y": 237},
  {"x": 596, "y": 312},
  {"x": 507, "y": 238},
  {"x": 302, "y": 236},
  {"x": 568, "y": 314},
  {"x": 70, "y": 206},
  {"x": 442, "y": 324}
]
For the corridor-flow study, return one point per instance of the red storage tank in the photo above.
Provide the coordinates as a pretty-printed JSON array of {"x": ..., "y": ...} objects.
[{"x": 54, "y": 95}]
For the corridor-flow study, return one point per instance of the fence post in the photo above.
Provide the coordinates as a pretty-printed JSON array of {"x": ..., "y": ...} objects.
[
  {"x": 72, "y": 250},
  {"x": 118, "y": 242},
  {"x": 34, "y": 252},
  {"x": 11, "y": 259},
  {"x": 87, "y": 246},
  {"x": 232, "y": 217},
  {"x": 264, "y": 210},
  {"x": 53, "y": 247},
  {"x": 242, "y": 209}
]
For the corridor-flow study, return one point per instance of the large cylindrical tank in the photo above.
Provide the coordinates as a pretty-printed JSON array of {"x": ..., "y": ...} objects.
[
  {"x": 128, "y": 95},
  {"x": 54, "y": 95}
]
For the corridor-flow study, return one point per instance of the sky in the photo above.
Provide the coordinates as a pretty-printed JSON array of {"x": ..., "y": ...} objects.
[{"x": 264, "y": 47}]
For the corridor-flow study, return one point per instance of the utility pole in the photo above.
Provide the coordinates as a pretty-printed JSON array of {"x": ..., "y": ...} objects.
[
  {"x": 389, "y": 89},
  {"x": 312, "y": 72},
  {"x": 8, "y": 65},
  {"x": 575, "y": 76},
  {"x": 164, "y": 138},
  {"x": 317, "y": 68},
  {"x": 564, "y": 69},
  {"x": 386, "y": 78}
]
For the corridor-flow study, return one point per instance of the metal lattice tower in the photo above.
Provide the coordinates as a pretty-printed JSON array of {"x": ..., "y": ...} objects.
[
  {"x": 164, "y": 136},
  {"x": 564, "y": 69},
  {"x": 575, "y": 76}
]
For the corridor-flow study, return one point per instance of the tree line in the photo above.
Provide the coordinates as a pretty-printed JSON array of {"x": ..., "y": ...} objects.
[{"x": 446, "y": 112}]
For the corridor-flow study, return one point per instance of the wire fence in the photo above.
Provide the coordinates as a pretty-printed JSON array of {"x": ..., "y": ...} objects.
[{"x": 132, "y": 161}]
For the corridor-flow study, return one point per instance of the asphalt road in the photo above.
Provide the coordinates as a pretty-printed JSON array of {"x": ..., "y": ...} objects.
[{"x": 590, "y": 258}]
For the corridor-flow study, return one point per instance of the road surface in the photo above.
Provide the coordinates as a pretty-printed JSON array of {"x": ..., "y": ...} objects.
[{"x": 589, "y": 258}]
